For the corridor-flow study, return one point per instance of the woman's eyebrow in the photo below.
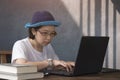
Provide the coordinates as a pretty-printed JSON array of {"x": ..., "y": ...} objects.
[{"x": 48, "y": 31}]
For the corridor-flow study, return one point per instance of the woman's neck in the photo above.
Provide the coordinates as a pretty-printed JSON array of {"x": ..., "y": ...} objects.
[{"x": 36, "y": 45}]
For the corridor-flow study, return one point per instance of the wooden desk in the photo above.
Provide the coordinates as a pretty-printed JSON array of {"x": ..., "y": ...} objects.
[
  {"x": 3, "y": 56},
  {"x": 100, "y": 76}
]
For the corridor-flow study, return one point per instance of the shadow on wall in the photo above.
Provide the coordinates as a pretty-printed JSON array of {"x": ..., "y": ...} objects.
[
  {"x": 117, "y": 4},
  {"x": 14, "y": 14}
]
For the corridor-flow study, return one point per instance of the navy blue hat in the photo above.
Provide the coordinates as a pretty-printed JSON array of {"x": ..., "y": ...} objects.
[{"x": 43, "y": 18}]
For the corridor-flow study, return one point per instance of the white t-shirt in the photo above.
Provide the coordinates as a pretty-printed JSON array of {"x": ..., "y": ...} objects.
[{"x": 23, "y": 49}]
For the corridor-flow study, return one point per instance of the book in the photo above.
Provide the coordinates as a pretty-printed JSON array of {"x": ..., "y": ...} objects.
[
  {"x": 17, "y": 68},
  {"x": 21, "y": 76}
]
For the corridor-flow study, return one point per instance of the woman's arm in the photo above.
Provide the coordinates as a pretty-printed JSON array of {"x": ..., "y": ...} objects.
[
  {"x": 40, "y": 65},
  {"x": 44, "y": 64}
]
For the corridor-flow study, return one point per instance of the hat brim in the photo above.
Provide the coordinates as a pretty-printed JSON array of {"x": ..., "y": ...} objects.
[{"x": 45, "y": 23}]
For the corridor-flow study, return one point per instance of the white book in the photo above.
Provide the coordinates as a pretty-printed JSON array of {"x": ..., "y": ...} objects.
[
  {"x": 21, "y": 76},
  {"x": 17, "y": 68}
]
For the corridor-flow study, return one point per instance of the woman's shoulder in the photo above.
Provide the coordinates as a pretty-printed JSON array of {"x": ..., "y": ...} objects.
[{"x": 21, "y": 41}]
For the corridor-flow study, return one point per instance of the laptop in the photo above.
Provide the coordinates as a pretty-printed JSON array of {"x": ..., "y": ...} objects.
[{"x": 90, "y": 56}]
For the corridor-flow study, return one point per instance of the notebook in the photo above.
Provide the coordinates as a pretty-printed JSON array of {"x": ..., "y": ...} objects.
[{"x": 90, "y": 56}]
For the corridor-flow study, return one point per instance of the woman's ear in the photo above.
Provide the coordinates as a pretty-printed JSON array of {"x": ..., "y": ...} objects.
[{"x": 33, "y": 31}]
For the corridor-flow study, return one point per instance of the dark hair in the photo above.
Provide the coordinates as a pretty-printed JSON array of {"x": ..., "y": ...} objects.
[{"x": 30, "y": 32}]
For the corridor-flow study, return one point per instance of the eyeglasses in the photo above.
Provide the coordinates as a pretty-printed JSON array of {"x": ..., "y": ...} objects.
[{"x": 44, "y": 33}]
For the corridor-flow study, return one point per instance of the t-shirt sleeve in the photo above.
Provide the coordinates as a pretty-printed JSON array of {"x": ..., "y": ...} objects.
[{"x": 18, "y": 51}]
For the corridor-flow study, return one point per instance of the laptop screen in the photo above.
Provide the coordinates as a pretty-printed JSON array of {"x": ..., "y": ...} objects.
[{"x": 91, "y": 54}]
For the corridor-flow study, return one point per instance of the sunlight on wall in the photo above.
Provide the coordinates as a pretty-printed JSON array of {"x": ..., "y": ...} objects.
[
  {"x": 101, "y": 21},
  {"x": 74, "y": 9},
  {"x": 118, "y": 41}
]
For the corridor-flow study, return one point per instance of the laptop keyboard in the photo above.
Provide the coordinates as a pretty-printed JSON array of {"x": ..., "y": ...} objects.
[{"x": 62, "y": 72}]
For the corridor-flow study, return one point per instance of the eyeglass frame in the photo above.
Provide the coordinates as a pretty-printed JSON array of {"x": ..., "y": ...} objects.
[{"x": 47, "y": 33}]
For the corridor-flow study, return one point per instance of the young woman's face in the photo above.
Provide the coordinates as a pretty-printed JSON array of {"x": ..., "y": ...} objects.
[{"x": 44, "y": 35}]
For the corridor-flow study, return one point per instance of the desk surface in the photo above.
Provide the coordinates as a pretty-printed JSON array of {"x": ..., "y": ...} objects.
[{"x": 100, "y": 76}]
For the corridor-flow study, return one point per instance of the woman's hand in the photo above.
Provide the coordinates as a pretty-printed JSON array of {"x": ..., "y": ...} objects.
[{"x": 67, "y": 65}]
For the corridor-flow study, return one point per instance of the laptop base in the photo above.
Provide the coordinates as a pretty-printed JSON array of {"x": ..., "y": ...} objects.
[{"x": 109, "y": 70}]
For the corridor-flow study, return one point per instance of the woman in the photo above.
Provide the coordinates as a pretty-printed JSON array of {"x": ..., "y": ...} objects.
[{"x": 36, "y": 49}]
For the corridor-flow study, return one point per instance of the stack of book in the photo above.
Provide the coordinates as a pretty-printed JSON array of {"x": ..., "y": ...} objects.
[{"x": 19, "y": 72}]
